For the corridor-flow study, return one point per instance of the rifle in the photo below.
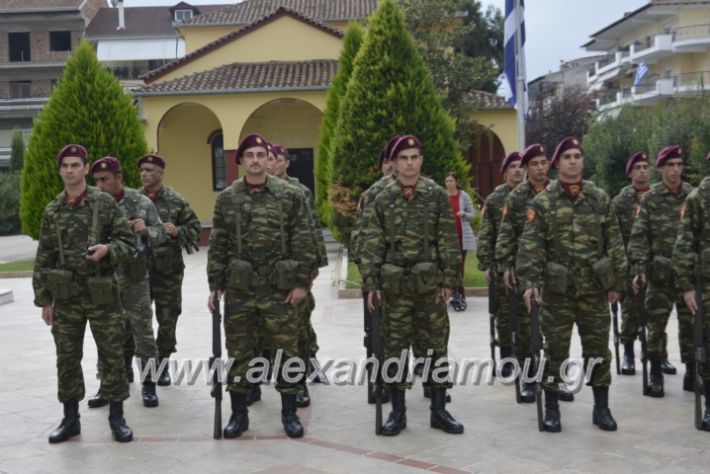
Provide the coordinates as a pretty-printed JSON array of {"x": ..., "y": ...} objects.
[
  {"x": 641, "y": 312},
  {"x": 376, "y": 348},
  {"x": 698, "y": 339},
  {"x": 367, "y": 342},
  {"x": 492, "y": 317},
  {"x": 615, "y": 323},
  {"x": 535, "y": 348},
  {"x": 513, "y": 307},
  {"x": 215, "y": 363}
]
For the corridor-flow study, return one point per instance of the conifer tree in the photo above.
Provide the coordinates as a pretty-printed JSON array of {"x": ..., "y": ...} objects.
[{"x": 17, "y": 151}]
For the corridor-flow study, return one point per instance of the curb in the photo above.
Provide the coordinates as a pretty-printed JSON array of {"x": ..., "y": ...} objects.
[{"x": 25, "y": 274}]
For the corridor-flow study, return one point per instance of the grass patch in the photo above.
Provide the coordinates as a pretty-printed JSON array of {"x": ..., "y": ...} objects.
[
  {"x": 472, "y": 278},
  {"x": 18, "y": 266}
]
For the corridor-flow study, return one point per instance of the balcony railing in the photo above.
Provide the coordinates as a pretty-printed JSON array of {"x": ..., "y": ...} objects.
[
  {"x": 691, "y": 32},
  {"x": 610, "y": 58}
]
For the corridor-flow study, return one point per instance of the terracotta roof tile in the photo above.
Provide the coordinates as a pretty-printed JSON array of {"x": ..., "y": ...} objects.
[{"x": 487, "y": 101}]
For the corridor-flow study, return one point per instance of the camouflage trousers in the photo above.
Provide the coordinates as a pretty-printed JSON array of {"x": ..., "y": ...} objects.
[
  {"x": 419, "y": 321},
  {"x": 523, "y": 336},
  {"x": 166, "y": 291},
  {"x": 706, "y": 333},
  {"x": 591, "y": 315},
  {"x": 629, "y": 317},
  {"x": 659, "y": 304},
  {"x": 254, "y": 316},
  {"x": 68, "y": 329},
  {"x": 307, "y": 345},
  {"x": 502, "y": 314}
]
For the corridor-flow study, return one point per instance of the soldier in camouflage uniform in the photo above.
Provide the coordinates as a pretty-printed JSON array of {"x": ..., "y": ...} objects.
[
  {"x": 624, "y": 205},
  {"x": 182, "y": 228},
  {"x": 83, "y": 237},
  {"x": 571, "y": 249},
  {"x": 650, "y": 249},
  {"x": 488, "y": 229},
  {"x": 534, "y": 162},
  {"x": 410, "y": 260},
  {"x": 133, "y": 274},
  {"x": 261, "y": 258},
  {"x": 692, "y": 247}
]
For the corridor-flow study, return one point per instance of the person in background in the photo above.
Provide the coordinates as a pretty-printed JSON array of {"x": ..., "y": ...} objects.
[{"x": 464, "y": 213}]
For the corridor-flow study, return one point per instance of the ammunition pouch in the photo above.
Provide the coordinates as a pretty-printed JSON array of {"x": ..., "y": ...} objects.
[
  {"x": 136, "y": 269},
  {"x": 556, "y": 278},
  {"x": 661, "y": 270},
  {"x": 167, "y": 258},
  {"x": 101, "y": 289},
  {"x": 285, "y": 274},
  {"x": 61, "y": 284},
  {"x": 391, "y": 278},
  {"x": 705, "y": 264},
  {"x": 603, "y": 270},
  {"x": 239, "y": 274},
  {"x": 425, "y": 278}
]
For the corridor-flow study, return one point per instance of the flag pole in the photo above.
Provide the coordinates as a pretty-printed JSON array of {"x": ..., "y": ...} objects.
[{"x": 520, "y": 102}]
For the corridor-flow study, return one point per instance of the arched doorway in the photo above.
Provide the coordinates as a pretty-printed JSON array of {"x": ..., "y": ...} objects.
[
  {"x": 295, "y": 124},
  {"x": 486, "y": 155}
]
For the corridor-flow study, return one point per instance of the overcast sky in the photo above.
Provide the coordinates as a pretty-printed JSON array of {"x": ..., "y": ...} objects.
[{"x": 555, "y": 29}]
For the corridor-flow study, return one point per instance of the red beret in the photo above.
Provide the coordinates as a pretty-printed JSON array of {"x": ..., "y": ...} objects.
[
  {"x": 567, "y": 144},
  {"x": 405, "y": 142},
  {"x": 250, "y": 141},
  {"x": 515, "y": 156},
  {"x": 73, "y": 150},
  {"x": 668, "y": 153},
  {"x": 152, "y": 159},
  {"x": 635, "y": 158},
  {"x": 107, "y": 163},
  {"x": 391, "y": 143},
  {"x": 271, "y": 149},
  {"x": 281, "y": 150},
  {"x": 533, "y": 151}
]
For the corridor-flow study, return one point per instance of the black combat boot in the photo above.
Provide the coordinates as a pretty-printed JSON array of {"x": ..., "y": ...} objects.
[
  {"x": 164, "y": 377},
  {"x": 552, "y": 423},
  {"x": 239, "y": 421},
  {"x": 706, "y": 419},
  {"x": 289, "y": 418},
  {"x": 440, "y": 418},
  {"x": 121, "y": 432},
  {"x": 397, "y": 419},
  {"x": 628, "y": 365},
  {"x": 602, "y": 415},
  {"x": 254, "y": 394},
  {"x": 689, "y": 377},
  {"x": 303, "y": 401},
  {"x": 655, "y": 388},
  {"x": 385, "y": 393},
  {"x": 150, "y": 398},
  {"x": 97, "y": 401},
  {"x": 667, "y": 367},
  {"x": 527, "y": 392},
  {"x": 566, "y": 396},
  {"x": 128, "y": 360},
  {"x": 427, "y": 393},
  {"x": 70, "y": 425},
  {"x": 507, "y": 369}
]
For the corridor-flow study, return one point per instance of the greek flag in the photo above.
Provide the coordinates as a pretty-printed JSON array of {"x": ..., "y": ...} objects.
[
  {"x": 641, "y": 72},
  {"x": 511, "y": 73}
]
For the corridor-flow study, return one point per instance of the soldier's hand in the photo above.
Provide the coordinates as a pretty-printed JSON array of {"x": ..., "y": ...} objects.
[
  {"x": 638, "y": 282},
  {"x": 529, "y": 294},
  {"x": 97, "y": 252},
  {"x": 370, "y": 299},
  {"x": 48, "y": 315},
  {"x": 613, "y": 297},
  {"x": 509, "y": 278},
  {"x": 690, "y": 301},
  {"x": 213, "y": 295},
  {"x": 446, "y": 294},
  {"x": 295, "y": 296},
  {"x": 138, "y": 226},
  {"x": 170, "y": 229}
]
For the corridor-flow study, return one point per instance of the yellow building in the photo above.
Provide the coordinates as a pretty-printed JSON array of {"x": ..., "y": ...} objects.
[{"x": 250, "y": 69}]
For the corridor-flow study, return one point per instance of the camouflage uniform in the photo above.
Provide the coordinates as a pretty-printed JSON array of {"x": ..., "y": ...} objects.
[
  {"x": 261, "y": 309},
  {"x": 362, "y": 218},
  {"x": 652, "y": 236},
  {"x": 575, "y": 234},
  {"x": 71, "y": 313},
  {"x": 492, "y": 214},
  {"x": 167, "y": 267},
  {"x": 395, "y": 235}
]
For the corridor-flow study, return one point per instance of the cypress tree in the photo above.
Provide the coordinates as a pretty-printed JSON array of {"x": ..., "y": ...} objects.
[
  {"x": 88, "y": 106},
  {"x": 17, "y": 151},
  {"x": 390, "y": 92},
  {"x": 324, "y": 169}
]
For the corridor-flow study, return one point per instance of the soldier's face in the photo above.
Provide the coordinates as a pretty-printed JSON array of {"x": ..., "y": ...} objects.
[
  {"x": 109, "y": 182},
  {"x": 571, "y": 164},
  {"x": 640, "y": 174},
  {"x": 514, "y": 173},
  {"x": 270, "y": 164},
  {"x": 672, "y": 171},
  {"x": 72, "y": 170},
  {"x": 151, "y": 175},
  {"x": 537, "y": 169},
  {"x": 254, "y": 160},
  {"x": 281, "y": 166},
  {"x": 408, "y": 163}
]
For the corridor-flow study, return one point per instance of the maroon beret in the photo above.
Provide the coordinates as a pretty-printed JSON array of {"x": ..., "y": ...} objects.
[
  {"x": 515, "y": 156},
  {"x": 405, "y": 142},
  {"x": 250, "y": 141},
  {"x": 107, "y": 163},
  {"x": 567, "y": 144},
  {"x": 73, "y": 150},
  {"x": 152, "y": 159},
  {"x": 635, "y": 158},
  {"x": 708, "y": 157},
  {"x": 668, "y": 153},
  {"x": 391, "y": 143},
  {"x": 271, "y": 149},
  {"x": 533, "y": 151},
  {"x": 281, "y": 150}
]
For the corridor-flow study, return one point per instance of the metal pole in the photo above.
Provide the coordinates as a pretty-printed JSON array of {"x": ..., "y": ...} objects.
[{"x": 520, "y": 77}]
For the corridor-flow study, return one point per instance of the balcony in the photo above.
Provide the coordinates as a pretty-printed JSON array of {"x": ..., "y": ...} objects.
[
  {"x": 652, "y": 49},
  {"x": 604, "y": 69},
  {"x": 691, "y": 39}
]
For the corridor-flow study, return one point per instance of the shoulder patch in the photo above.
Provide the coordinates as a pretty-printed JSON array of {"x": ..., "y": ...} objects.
[{"x": 531, "y": 215}]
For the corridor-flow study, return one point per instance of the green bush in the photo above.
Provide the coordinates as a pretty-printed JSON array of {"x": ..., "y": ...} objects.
[
  {"x": 17, "y": 151},
  {"x": 9, "y": 203}
]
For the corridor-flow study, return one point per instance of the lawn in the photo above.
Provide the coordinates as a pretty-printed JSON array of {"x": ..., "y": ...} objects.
[
  {"x": 18, "y": 266},
  {"x": 472, "y": 278}
]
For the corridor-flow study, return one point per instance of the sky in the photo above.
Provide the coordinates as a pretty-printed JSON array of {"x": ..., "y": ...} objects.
[{"x": 555, "y": 29}]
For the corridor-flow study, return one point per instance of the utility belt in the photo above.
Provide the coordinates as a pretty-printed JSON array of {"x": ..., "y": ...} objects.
[
  {"x": 65, "y": 284},
  {"x": 419, "y": 278},
  {"x": 557, "y": 277},
  {"x": 660, "y": 270},
  {"x": 243, "y": 276}
]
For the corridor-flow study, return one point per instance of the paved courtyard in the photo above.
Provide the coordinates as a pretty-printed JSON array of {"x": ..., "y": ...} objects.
[{"x": 655, "y": 435}]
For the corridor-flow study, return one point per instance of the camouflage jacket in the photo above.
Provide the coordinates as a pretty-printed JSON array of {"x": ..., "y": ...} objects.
[
  {"x": 512, "y": 223},
  {"x": 693, "y": 236},
  {"x": 491, "y": 215},
  {"x": 172, "y": 207},
  {"x": 362, "y": 217},
  {"x": 655, "y": 227},
  {"x": 75, "y": 228},
  {"x": 322, "y": 256},
  {"x": 624, "y": 205},
  {"x": 573, "y": 233},
  {"x": 263, "y": 212},
  {"x": 135, "y": 205},
  {"x": 397, "y": 228}
]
